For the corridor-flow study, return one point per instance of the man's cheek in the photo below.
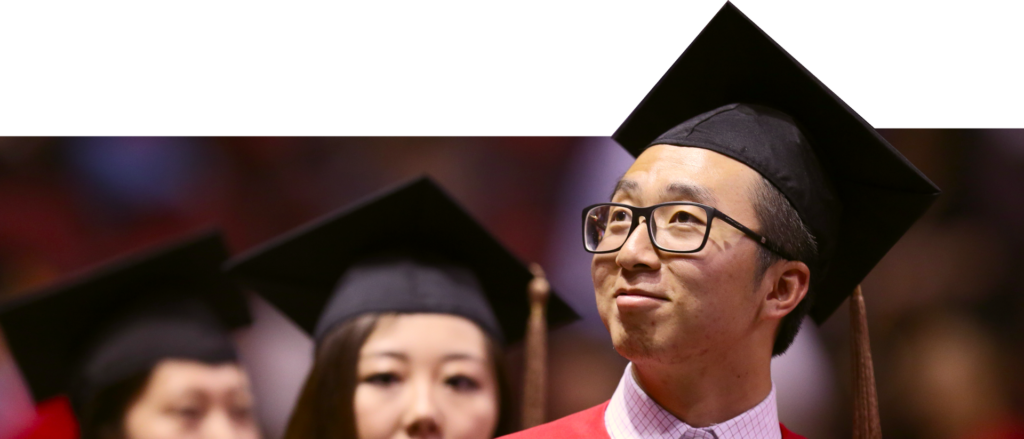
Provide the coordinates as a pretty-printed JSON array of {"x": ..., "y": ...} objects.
[{"x": 602, "y": 277}]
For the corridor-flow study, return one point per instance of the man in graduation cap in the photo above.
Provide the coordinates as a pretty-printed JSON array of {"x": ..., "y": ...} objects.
[
  {"x": 140, "y": 346},
  {"x": 757, "y": 197}
]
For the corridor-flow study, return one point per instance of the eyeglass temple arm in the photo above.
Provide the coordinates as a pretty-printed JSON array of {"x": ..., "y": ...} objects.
[{"x": 762, "y": 240}]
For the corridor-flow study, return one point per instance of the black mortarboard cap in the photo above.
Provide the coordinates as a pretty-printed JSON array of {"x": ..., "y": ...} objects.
[
  {"x": 736, "y": 92},
  {"x": 120, "y": 319},
  {"x": 407, "y": 249}
]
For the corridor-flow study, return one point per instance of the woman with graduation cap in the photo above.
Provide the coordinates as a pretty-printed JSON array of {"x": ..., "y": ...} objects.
[
  {"x": 410, "y": 302},
  {"x": 757, "y": 198},
  {"x": 141, "y": 346}
]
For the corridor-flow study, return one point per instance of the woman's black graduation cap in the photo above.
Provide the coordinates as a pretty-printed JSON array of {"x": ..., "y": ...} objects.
[
  {"x": 407, "y": 249},
  {"x": 120, "y": 319},
  {"x": 736, "y": 92}
]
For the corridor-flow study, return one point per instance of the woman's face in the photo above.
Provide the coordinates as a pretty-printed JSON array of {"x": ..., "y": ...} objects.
[
  {"x": 189, "y": 399},
  {"x": 426, "y": 376}
]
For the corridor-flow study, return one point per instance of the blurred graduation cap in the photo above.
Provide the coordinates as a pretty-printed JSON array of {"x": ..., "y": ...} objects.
[
  {"x": 736, "y": 92},
  {"x": 407, "y": 249},
  {"x": 119, "y": 320}
]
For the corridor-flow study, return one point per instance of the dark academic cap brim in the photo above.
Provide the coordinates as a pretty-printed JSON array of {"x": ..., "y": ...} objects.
[
  {"x": 300, "y": 271},
  {"x": 86, "y": 328},
  {"x": 733, "y": 61}
]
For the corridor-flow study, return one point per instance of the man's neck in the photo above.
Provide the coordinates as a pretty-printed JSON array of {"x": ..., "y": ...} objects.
[{"x": 706, "y": 393}]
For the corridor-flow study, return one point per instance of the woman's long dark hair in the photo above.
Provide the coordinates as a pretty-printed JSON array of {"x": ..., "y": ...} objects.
[{"x": 324, "y": 409}]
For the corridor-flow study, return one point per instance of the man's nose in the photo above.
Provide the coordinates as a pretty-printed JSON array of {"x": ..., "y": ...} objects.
[
  {"x": 638, "y": 252},
  {"x": 218, "y": 425},
  {"x": 423, "y": 419}
]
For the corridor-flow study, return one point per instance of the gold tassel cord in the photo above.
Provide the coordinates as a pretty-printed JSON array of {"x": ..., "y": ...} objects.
[
  {"x": 866, "y": 422},
  {"x": 535, "y": 370}
]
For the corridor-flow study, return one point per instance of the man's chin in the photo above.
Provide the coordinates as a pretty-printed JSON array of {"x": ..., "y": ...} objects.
[{"x": 634, "y": 345}]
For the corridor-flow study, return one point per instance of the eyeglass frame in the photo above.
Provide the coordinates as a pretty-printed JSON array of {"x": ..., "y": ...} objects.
[{"x": 645, "y": 212}]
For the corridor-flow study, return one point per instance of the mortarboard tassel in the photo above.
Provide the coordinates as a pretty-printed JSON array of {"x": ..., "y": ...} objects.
[
  {"x": 866, "y": 423},
  {"x": 535, "y": 370}
]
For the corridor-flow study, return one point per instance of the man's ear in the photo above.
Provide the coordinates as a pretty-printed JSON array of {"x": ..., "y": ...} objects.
[{"x": 791, "y": 282}]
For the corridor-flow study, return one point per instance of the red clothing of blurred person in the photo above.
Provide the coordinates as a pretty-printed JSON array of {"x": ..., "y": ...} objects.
[{"x": 54, "y": 420}]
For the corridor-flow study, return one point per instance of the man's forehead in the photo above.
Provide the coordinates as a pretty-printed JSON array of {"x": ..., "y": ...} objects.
[
  {"x": 688, "y": 173},
  {"x": 674, "y": 190}
]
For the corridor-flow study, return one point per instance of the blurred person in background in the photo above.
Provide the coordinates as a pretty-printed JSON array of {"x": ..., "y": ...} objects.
[
  {"x": 701, "y": 310},
  {"x": 140, "y": 346},
  {"x": 950, "y": 380},
  {"x": 959, "y": 264},
  {"x": 411, "y": 303}
]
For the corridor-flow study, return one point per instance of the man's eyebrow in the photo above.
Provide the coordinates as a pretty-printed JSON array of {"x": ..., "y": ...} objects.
[
  {"x": 628, "y": 186},
  {"x": 691, "y": 192}
]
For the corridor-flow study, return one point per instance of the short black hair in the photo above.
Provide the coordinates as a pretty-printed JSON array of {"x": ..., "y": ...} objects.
[{"x": 781, "y": 223}]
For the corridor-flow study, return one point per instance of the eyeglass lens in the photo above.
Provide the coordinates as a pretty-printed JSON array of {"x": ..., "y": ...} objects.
[{"x": 676, "y": 227}]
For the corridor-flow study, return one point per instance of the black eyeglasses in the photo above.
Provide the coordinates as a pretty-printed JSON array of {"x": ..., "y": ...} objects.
[{"x": 679, "y": 227}]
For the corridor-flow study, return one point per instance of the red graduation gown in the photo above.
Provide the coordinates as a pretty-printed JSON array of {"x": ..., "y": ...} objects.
[{"x": 588, "y": 424}]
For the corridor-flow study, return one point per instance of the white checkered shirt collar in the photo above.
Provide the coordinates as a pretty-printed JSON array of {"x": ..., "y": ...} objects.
[{"x": 631, "y": 414}]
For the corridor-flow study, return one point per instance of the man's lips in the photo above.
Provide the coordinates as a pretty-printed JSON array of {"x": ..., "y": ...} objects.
[
  {"x": 638, "y": 293},
  {"x": 633, "y": 300}
]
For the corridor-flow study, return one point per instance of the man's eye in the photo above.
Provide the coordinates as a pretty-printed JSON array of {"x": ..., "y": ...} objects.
[
  {"x": 241, "y": 413},
  {"x": 462, "y": 383},
  {"x": 683, "y": 217},
  {"x": 189, "y": 413},
  {"x": 382, "y": 379},
  {"x": 620, "y": 215}
]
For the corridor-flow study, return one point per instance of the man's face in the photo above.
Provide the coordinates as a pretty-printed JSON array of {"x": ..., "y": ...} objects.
[
  {"x": 190, "y": 399},
  {"x": 671, "y": 307}
]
